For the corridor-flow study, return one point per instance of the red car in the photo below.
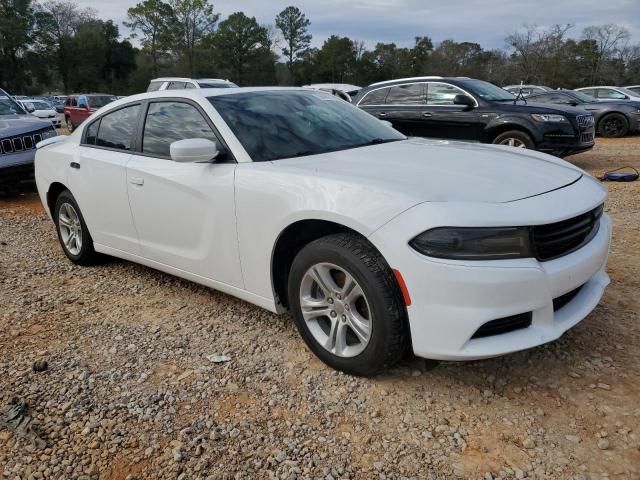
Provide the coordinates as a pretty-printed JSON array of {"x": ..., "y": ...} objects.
[{"x": 79, "y": 107}]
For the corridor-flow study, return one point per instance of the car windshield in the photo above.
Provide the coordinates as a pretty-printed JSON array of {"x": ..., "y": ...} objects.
[
  {"x": 626, "y": 91},
  {"x": 273, "y": 125},
  {"x": 487, "y": 91},
  {"x": 97, "y": 101},
  {"x": 9, "y": 107}
]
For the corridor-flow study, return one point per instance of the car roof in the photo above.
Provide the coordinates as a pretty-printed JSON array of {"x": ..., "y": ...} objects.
[
  {"x": 185, "y": 79},
  {"x": 345, "y": 87},
  {"x": 414, "y": 79}
]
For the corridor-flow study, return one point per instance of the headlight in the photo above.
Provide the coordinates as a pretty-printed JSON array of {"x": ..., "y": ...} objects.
[
  {"x": 545, "y": 117},
  {"x": 469, "y": 243}
]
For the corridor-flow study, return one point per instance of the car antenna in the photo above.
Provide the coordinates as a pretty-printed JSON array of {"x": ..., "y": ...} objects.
[{"x": 520, "y": 95}]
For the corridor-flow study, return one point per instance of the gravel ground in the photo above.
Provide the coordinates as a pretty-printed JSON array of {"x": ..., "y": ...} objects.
[{"x": 133, "y": 390}]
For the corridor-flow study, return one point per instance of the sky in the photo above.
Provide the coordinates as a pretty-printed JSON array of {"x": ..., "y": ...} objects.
[{"x": 486, "y": 22}]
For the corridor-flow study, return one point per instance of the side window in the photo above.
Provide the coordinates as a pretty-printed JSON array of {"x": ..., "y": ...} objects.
[
  {"x": 154, "y": 86},
  {"x": 189, "y": 85},
  {"x": 375, "y": 97},
  {"x": 410, "y": 94},
  {"x": 116, "y": 129},
  {"x": 92, "y": 133},
  {"x": 442, "y": 93},
  {"x": 591, "y": 92},
  {"x": 175, "y": 86},
  {"x": 610, "y": 94},
  {"x": 74, "y": 102},
  {"x": 542, "y": 99},
  {"x": 168, "y": 122}
]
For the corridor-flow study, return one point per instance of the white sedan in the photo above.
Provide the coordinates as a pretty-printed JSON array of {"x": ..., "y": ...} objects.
[
  {"x": 42, "y": 110},
  {"x": 297, "y": 201}
]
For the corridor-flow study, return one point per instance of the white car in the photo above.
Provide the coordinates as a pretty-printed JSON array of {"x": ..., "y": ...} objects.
[
  {"x": 42, "y": 110},
  {"x": 296, "y": 200},
  {"x": 610, "y": 93},
  {"x": 345, "y": 91},
  {"x": 179, "y": 83}
]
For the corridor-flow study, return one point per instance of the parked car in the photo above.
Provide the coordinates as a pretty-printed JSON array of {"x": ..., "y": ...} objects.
[
  {"x": 178, "y": 83},
  {"x": 610, "y": 93},
  {"x": 634, "y": 88},
  {"x": 342, "y": 90},
  {"x": 295, "y": 200},
  {"x": 19, "y": 134},
  {"x": 613, "y": 118},
  {"x": 79, "y": 107},
  {"x": 468, "y": 109},
  {"x": 42, "y": 110},
  {"x": 527, "y": 89}
]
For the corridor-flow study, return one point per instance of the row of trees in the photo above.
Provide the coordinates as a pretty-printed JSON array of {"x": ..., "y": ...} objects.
[{"x": 54, "y": 45}]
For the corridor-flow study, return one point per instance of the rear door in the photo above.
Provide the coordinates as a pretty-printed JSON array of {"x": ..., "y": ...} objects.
[
  {"x": 373, "y": 102},
  {"x": 184, "y": 213},
  {"x": 445, "y": 119},
  {"x": 97, "y": 178},
  {"x": 404, "y": 108}
]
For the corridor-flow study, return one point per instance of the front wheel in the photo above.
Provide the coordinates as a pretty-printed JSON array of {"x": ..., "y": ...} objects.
[
  {"x": 514, "y": 138},
  {"x": 347, "y": 306},
  {"x": 73, "y": 233}
]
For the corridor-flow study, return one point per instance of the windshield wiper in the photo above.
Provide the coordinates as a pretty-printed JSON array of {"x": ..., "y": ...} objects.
[{"x": 378, "y": 141}]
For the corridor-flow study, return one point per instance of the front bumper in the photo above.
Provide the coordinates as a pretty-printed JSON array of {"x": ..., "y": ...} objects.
[
  {"x": 451, "y": 299},
  {"x": 566, "y": 138}
]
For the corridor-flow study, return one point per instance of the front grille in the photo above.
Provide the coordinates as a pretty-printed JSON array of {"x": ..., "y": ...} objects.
[
  {"x": 585, "y": 120},
  {"x": 586, "y": 137},
  {"x": 27, "y": 141},
  {"x": 504, "y": 325},
  {"x": 562, "y": 300},
  {"x": 561, "y": 238}
]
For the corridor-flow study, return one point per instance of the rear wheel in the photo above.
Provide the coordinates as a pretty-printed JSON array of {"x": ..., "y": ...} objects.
[
  {"x": 73, "y": 233},
  {"x": 613, "y": 125},
  {"x": 347, "y": 305},
  {"x": 514, "y": 138}
]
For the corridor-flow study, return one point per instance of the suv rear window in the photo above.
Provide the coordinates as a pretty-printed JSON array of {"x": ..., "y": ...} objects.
[
  {"x": 154, "y": 86},
  {"x": 409, "y": 94}
]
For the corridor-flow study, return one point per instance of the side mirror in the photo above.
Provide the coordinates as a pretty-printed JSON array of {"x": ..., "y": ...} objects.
[
  {"x": 193, "y": 150},
  {"x": 464, "y": 100}
]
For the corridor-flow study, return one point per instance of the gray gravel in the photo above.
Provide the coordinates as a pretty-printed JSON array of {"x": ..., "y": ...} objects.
[{"x": 153, "y": 377}]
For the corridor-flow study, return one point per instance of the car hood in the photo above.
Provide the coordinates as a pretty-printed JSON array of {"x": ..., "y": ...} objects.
[
  {"x": 532, "y": 107},
  {"x": 441, "y": 171},
  {"x": 16, "y": 124},
  {"x": 44, "y": 113}
]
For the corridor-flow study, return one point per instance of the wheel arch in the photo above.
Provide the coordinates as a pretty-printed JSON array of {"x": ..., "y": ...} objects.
[
  {"x": 288, "y": 244},
  {"x": 55, "y": 189},
  {"x": 493, "y": 131}
]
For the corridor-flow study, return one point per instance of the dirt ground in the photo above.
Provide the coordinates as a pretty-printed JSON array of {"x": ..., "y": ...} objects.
[{"x": 129, "y": 392}]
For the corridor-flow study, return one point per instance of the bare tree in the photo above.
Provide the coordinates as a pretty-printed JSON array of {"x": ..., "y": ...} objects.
[{"x": 607, "y": 38}]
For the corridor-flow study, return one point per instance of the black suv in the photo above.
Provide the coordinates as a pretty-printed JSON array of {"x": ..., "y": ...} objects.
[{"x": 468, "y": 109}]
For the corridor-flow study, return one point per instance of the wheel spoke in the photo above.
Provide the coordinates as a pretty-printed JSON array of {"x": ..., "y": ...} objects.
[
  {"x": 511, "y": 142},
  {"x": 314, "y": 308},
  {"x": 360, "y": 327},
  {"x": 323, "y": 278},
  {"x": 337, "y": 340},
  {"x": 68, "y": 241},
  {"x": 64, "y": 220}
]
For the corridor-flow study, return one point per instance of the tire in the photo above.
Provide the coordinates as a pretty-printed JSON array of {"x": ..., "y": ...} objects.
[
  {"x": 69, "y": 224},
  {"x": 514, "y": 138},
  {"x": 374, "y": 302},
  {"x": 613, "y": 125}
]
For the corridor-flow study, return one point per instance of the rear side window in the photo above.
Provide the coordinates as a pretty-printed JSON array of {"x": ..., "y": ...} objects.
[
  {"x": 410, "y": 94},
  {"x": 375, "y": 97},
  {"x": 175, "y": 86},
  {"x": 116, "y": 129},
  {"x": 154, "y": 86},
  {"x": 607, "y": 93},
  {"x": 168, "y": 122}
]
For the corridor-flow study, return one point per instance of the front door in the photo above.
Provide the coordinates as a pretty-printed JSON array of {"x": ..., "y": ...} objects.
[
  {"x": 445, "y": 119},
  {"x": 184, "y": 213}
]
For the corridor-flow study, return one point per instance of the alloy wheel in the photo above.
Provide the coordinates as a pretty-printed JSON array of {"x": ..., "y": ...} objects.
[
  {"x": 70, "y": 228},
  {"x": 336, "y": 310},
  {"x": 612, "y": 127},
  {"x": 513, "y": 142}
]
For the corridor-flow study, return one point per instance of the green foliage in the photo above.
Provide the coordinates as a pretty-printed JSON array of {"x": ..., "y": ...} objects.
[{"x": 294, "y": 26}]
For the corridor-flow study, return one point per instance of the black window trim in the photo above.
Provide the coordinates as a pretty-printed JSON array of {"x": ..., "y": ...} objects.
[{"x": 225, "y": 155}]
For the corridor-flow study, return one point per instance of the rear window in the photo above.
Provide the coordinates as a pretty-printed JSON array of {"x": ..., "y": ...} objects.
[
  {"x": 375, "y": 97},
  {"x": 154, "y": 86}
]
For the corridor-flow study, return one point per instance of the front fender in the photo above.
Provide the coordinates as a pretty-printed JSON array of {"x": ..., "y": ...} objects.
[{"x": 501, "y": 122}]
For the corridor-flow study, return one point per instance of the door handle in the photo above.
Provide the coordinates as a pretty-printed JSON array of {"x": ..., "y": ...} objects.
[
  {"x": 427, "y": 114},
  {"x": 136, "y": 181},
  {"x": 75, "y": 165},
  {"x": 382, "y": 114}
]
